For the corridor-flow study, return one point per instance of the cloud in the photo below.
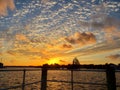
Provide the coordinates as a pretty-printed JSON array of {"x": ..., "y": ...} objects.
[
  {"x": 11, "y": 52},
  {"x": 21, "y": 37},
  {"x": 81, "y": 38},
  {"x": 39, "y": 39},
  {"x": 66, "y": 46},
  {"x": 114, "y": 57},
  {"x": 106, "y": 28},
  {"x": 101, "y": 21},
  {"x": 111, "y": 32},
  {"x": 110, "y": 29},
  {"x": 62, "y": 61},
  {"x": 5, "y": 5},
  {"x": 1, "y": 42},
  {"x": 44, "y": 1},
  {"x": 98, "y": 48},
  {"x": 111, "y": 21},
  {"x": 1, "y": 54}
]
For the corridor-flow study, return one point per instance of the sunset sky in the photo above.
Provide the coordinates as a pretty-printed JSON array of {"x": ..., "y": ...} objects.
[{"x": 36, "y": 32}]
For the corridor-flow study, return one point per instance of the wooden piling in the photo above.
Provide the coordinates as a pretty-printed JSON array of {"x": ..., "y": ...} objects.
[
  {"x": 111, "y": 80},
  {"x": 44, "y": 79},
  {"x": 23, "y": 83},
  {"x": 71, "y": 79}
]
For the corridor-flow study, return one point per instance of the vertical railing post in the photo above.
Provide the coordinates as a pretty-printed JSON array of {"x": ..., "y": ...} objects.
[
  {"x": 111, "y": 80},
  {"x": 23, "y": 83},
  {"x": 44, "y": 79},
  {"x": 71, "y": 79}
]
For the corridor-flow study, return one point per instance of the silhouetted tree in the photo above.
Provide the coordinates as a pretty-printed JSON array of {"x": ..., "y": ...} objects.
[{"x": 1, "y": 65}]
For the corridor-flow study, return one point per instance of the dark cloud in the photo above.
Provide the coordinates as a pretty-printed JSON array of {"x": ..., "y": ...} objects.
[
  {"x": 114, "y": 57},
  {"x": 101, "y": 21},
  {"x": 11, "y": 52},
  {"x": 81, "y": 38},
  {"x": 94, "y": 24},
  {"x": 62, "y": 61},
  {"x": 66, "y": 46}
]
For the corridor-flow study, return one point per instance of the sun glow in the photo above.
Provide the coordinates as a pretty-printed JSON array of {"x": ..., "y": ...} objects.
[{"x": 53, "y": 61}]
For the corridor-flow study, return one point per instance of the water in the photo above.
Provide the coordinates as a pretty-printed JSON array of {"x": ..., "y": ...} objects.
[{"x": 13, "y": 78}]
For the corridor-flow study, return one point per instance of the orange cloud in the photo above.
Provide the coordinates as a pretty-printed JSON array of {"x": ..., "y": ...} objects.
[
  {"x": 66, "y": 46},
  {"x": 114, "y": 57},
  {"x": 11, "y": 53},
  {"x": 110, "y": 29},
  {"x": 21, "y": 37},
  {"x": 1, "y": 42},
  {"x": 81, "y": 38},
  {"x": 0, "y": 53},
  {"x": 111, "y": 32},
  {"x": 1, "y": 45},
  {"x": 6, "y": 4}
]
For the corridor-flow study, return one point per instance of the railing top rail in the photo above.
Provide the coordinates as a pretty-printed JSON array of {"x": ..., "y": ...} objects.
[
  {"x": 39, "y": 69},
  {"x": 117, "y": 70},
  {"x": 21, "y": 69},
  {"x": 92, "y": 70}
]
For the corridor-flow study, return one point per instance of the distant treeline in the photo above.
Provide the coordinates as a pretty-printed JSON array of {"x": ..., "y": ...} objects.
[
  {"x": 71, "y": 66},
  {"x": 86, "y": 66}
]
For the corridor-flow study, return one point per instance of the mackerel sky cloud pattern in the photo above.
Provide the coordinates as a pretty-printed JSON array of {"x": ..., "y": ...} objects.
[{"x": 57, "y": 28}]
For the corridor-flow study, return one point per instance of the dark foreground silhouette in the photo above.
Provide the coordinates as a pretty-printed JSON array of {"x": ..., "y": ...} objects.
[{"x": 1, "y": 65}]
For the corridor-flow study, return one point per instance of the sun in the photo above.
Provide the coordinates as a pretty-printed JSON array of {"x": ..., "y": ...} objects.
[{"x": 53, "y": 61}]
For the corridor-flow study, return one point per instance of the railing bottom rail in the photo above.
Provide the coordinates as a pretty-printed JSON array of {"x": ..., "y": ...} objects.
[
  {"x": 77, "y": 82},
  {"x": 19, "y": 86}
]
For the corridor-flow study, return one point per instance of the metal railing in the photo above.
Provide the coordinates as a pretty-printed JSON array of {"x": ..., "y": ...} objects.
[
  {"x": 23, "y": 78},
  {"x": 110, "y": 75}
]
